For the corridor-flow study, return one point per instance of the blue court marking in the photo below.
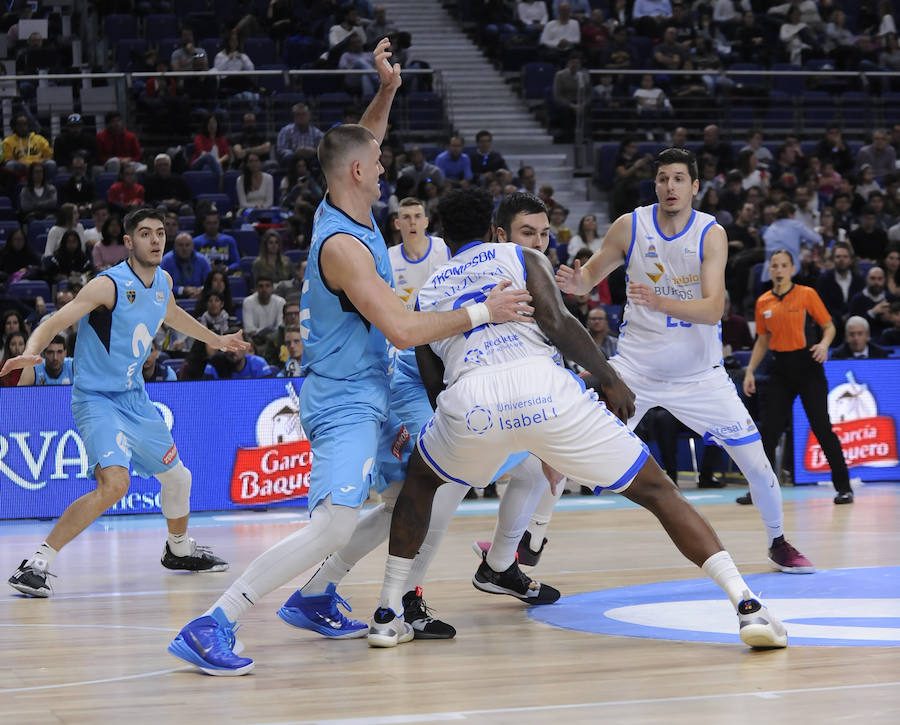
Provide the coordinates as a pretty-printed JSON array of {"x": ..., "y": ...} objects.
[{"x": 840, "y": 607}]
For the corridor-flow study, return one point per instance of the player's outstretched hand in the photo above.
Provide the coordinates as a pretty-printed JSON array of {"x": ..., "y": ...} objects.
[
  {"x": 619, "y": 399},
  {"x": 388, "y": 74},
  {"x": 509, "y": 305},
  {"x": 20, "y": 362},
  {"x": 233, "y": 343},
  {"x": 643, "y": 295},
  {"x": 569, "y": 278}
]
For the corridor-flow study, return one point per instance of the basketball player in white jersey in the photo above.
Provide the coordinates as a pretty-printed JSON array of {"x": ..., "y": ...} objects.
[
  {"x": 670, "y": 343},
  {"x": 418, "y": 254},
  {"x": 504, "y": 392}
]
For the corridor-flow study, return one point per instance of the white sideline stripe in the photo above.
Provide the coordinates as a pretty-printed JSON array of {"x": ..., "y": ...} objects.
[
  {"x": 465, "y": 714},
  {"x": 105, "y": 680}
]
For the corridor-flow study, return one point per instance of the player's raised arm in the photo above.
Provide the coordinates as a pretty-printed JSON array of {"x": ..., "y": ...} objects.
[
  {"x": 349, "y": 267},
  {"x": 708, "y": 309},
  {"x": 579, "y": 280},
  {"x": 375, "y": 117},
  {"x": 570, "y": 336},
  {"x": 180, "y": 320},
  {"x": 100, "y": 291}
]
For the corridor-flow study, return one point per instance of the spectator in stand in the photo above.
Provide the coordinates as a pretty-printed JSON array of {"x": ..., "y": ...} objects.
[
  {"x": 867, "y": 239},
  {"x": 630, "y": 169},
  {"x": 187, "y": 267},
  {"x": 419, "y": 169},
  {"x": 299, "y": 184},
  {"x": 595, "y": 36},
  {"x": 883, "y": 220},
  {"x": 276, "y": 351},
  {"x": 23, "y": 147},
  {"x": 232, "y": 58},
  {"x": 211, "y": 150},
  {"x": 797, "y": 38},
  {"x": 620, "y": 53},
  {"x": 13, "y": 321},
  {"x": 891, "y": 266},
  {"x": 580, "y": 9},
  {"x": 840, "y": 43},
  {"x": 735, "y": 330},
  {"x": 755, "y": 144},
  {"x": 378, "y": 27},
  {"x": 833, "y": 148},
  {"x": 116, "y": 145},
  {"x": 843, "y": 217},
  {"x": 17, "y": 258},
  {"x": 732, "y": 197},
  {"x": 891, "y": 336},
  {"x": 829, "y": 232},
  {"x": 532, "y": 17},
  {"x": 168, "y": 191},
  {"x": 806, "y": 212},
  {"x": 153, "y": 371},
  {"x": 56, "y": 368},
  {"x": 858, "y": 345},
  {"x": 527, "y": 181},
  {"x": 571, "y": 91},
  {"x": 453, "y": 162},
  {"x": 74, "y": 140},
  {"x": 263, "y": 309},
  {"x": 78, "y": 189},
  {"x": 598, "y": 328},
  {"x": 787, "y": 234},
  {"x": 652, "y": 105},
  {"x": 66, "y": 219},
  {"x": 99, "y": 214},
  {"x": 235, "y": 366},
  {"x": 126, "y": 194},
  {"x": 879, "y": 154},
  {"x": 215, "y": 316},
  {"x": 649, "y": 17},
  {"x": 218, "y": 248},
  {"x": 250, "y": 139},
  {"x": 182, "y": 58},
  {"x": 348, "y": 22},
  {"x": 271, "y": 262},
  {"x": 486, "y": 159},
  {"x": 874, "y": 303},
  {"x": 13, "y": 346},
  {"x": 561, "y": 34},
  {"x": 171, "y": 228},
  {"x": 294, "y": 343},
  {"x": 291, "y": 289},
  {"x": 587, "y": 237},
  {"x": 356, "y": 57},
  {"x": 299, "y": 137},
  {"x": 216, "y": 281},
  {"x": 750, "y": 41},
  {"x": 714, "y": 146},
  {"x": 37, "y": 200},
  {"x": 751, "y": 174},
  {"x": 255, "y": 188},
  {"x": 111, "y": 249},
  {"x": 670, "y": 54}
]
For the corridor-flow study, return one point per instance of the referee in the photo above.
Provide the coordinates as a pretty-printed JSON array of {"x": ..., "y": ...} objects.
[{"x": 781, "y": 316}]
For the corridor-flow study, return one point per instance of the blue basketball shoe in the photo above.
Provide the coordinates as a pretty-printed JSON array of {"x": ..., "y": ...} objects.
[
  {"x": 320, "y": 613},
  {"x": 208, "y": 642}
]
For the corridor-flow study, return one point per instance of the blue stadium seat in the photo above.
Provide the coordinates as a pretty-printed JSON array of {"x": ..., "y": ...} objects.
[
  {"x": 186, "y": 223},
  {"x": 606, "y": 163},
  {"x": 792, "y": 85},
  {"x": 817, "y": 109},
  {"x": 212, "y": 46},
  {"x": 299, "y": 50},
  {"x": 296, "y": 255},
  {"x": 102, "y": 183},
  {"x": 38, "y": 227},
  {"x": 425, "y": 111},
  {"x": 222, "y": 202},
  {"x": 201, "y": 182},
  {"x": 536, "y": 77},
  {"x": 780, "y": 113},
  {"x": 8, "y": 227},
  {"x": 247, "y": 267},
  {"x": 120, "y": 26},
  {"x": 331, "y": 107},
  {"x": 247, "y": 241},
  {"x": 856, "y": 110},
  {"x": 160, "y": 25},
  {"x": 230, "y": 181},
  {"x": 128, "y": 51},
  {"x": 166, "y": 48},
  {"x": 187, "y": 304},
  {"x": 238, "y": 288},
  {"x": 272, "y": 83},
  {"x": 184, "y": 7},
  {"x": 28, "y": 289},
  {"x": 613, "y": 316},
  {"x": 260, "y": 50}
]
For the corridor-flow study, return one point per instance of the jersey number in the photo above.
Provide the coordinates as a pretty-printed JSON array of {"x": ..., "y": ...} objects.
[{"x": 672, "y": 322}]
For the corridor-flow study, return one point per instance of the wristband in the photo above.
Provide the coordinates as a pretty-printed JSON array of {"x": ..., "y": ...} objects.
[{"x": 479, "y": 314}]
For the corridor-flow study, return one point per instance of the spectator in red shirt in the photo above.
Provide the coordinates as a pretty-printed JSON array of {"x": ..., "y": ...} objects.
[
  {"x": 126, "y": 193},
  {"x": 211, "y": 148},
  {"x": 116, "y": 145}
]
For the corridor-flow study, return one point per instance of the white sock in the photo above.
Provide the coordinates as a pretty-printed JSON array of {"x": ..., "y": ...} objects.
[
  {"x": 179, "y": 544},
  {"x": 721, "y": 569},
  {"x": 236, "y": 600},
  {"x": 540, "y": 519},
  {"x": 44, "y": 552},
  {"x": 446, "y": 500},
  {"x": 396, "y": 572},
  {"x": 526, "y": 488},
  {"x": 764, "y": 488},
  {"x": 333, "y": 569}
]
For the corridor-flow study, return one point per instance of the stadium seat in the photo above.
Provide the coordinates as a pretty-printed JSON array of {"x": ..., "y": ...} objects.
[
  {"x": 613, "y": 316},
  {"x": 425, "y": 111},
  {"x": 186, "y": 223},
  {"x": 201, "y": 182},
  {"x": 331, "y": 107},
  {"x": 128, "y": 51},
  {"x": 260, "y": 50},
  {"x": 535, "y": 79},
  {"x": 817, "y": 110},
  {"x": 102, "y": 182},
  {"x": 856, "y": 110},
  {"x": 238, "y": 288},
  {"x": 185, "y": 7},
  {"x": 120, "y": 26},
  {"x": 247, "y": 266},
  {"x": 792, "y": 85},
  {"x": 160, "y": 25},
  {"x": 29, "y": 289},
  {"x": 780, "y": 113},
  {"x": 222, "y": 202},
  {"x": 296, "y": 255},
  {"x": 187, "y": 304},
  {"x": 229, "y": 185},
  {"x": 247, "y": 241},
  {"x": 273, "y": 83},
  {"x": 299, "y": 50},
  {"x": 8, "y": 227}
]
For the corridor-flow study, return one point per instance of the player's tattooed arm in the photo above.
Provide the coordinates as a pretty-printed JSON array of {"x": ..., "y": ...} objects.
[
  {"x": 431, "y": 368},
  {"x": 569, "y": 335}
]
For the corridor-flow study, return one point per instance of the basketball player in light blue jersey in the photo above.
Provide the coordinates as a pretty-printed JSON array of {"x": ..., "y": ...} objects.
[
  {"x": 349, "y": 313},
  {"x": 118, "y": 313},
  {"x": 503, "y": 391},
  {"x": 670, "y": 340}
]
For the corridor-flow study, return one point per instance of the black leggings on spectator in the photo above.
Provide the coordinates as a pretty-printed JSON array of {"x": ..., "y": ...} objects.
[{"x": 796, "y": 373}]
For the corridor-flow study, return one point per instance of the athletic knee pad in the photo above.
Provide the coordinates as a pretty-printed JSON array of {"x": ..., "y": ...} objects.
[{"x": 175, "y": 492}]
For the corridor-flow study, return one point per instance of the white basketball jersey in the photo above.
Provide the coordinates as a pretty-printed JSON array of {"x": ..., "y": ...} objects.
[
  {"x": 467, "y": 279},
  {"x": 655, "y": 344},
  {"x": 410, "y": 274}
]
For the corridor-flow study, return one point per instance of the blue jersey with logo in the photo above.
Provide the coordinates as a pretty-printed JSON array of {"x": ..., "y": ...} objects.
[
  {"x": 42, "y": 377},
  {"x": 112, "y": 344},
  {"x": 339, "y": 344}
]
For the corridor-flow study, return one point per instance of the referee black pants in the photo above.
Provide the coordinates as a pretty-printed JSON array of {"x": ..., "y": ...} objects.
[{"x": 796, "y": 373}]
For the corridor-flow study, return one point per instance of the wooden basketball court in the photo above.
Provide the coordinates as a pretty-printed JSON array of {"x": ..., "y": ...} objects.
[{"x": 96, "y": 653}]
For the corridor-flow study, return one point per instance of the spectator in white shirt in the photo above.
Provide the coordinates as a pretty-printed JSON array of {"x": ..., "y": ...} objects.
[{"x": 262, "y": 309}]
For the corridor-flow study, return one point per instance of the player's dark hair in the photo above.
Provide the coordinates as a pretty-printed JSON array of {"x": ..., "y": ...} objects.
[
  {"x": 466, "y": 215},
  {"x": 139, "y": 215},
  {"x": 782, "y": 251},
  {"x": 679, "y": 156},
  {"x": 57, "y": 340},
  {"x": 519, "y": 202},
  {"x": 338, "y": 141}
]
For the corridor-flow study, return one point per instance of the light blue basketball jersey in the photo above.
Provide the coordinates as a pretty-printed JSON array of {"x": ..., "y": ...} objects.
[
  {"x": 112, "y": 344},
  {"x": 340, "y": 346},
  {"x": 42, "y": 377}
]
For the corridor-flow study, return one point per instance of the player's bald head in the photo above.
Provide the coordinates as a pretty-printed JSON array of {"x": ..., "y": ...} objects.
[{"x": 341, "y": 145}]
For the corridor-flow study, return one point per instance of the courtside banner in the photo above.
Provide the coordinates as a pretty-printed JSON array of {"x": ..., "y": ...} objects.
[
  {"x": 241, "y": 439},
  {"x": 864, "y": 408}
]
